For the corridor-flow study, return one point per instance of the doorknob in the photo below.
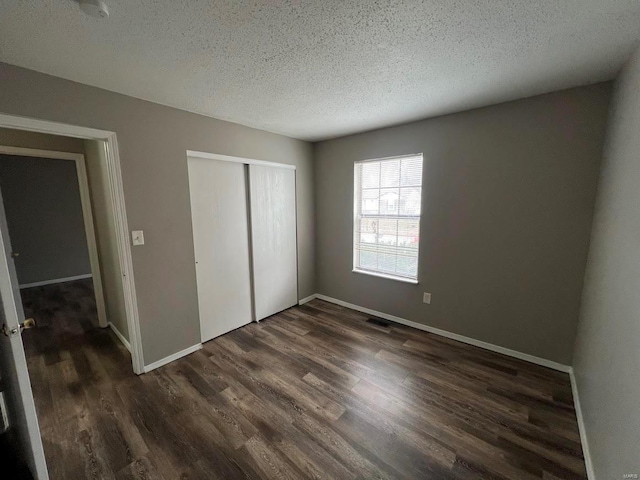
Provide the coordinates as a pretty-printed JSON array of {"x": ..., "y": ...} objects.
[
  {"x": 27, "y": 324},
  {"x": 12, "y": 332},
  {"x": 15, "y": 254}
]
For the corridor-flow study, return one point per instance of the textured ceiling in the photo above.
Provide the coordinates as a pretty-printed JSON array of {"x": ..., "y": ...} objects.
[{"x": 316, "y": 69}]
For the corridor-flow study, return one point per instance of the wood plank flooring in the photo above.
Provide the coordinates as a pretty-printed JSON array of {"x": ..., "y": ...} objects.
[{"x": 313, "y": 392}]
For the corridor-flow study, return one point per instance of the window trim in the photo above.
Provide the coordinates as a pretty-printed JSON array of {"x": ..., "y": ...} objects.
[
  {"x": 373, "y": 273},
  {"x": 386, "y": 275}
]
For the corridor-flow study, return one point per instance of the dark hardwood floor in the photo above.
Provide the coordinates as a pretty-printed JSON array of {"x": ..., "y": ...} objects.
[{"x": 313, "y": 392}]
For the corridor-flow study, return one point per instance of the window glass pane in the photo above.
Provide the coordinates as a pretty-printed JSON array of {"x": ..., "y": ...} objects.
[
  {"x": 388, "y": 226},
  {"x": 411, "y": 171},
  {"x": 368, "y": 230},
  {"x": 389, "y": 201},
  {"x": 388, "y": 231},
  {"x": 408, "y": 227},
  {"x": 390, "y": 173},
  {"x": 370, "y": 201},
  {"x": 408, "y": 242},
  {"x": 370, "y": 174},
  {"x": 386, "y": 263},
  {"x": 386, "y": 239},
  {"x": 410, "y": 201},
  {"x": 369, "y": 225},
  {"x": 368, "y": 238},
  {"x": 407, "y": 266},
  {"x": 368, "y": 259}
]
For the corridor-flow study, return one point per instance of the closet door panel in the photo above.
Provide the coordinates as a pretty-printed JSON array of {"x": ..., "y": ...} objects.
[
  {"x": 273, "y": 239},
  {"x": 221, "y": 241}
]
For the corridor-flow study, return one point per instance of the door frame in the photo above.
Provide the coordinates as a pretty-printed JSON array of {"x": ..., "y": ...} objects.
[
  {"x": 114, "y": 175},
  {"x": 87, "y": 214},
  {"x": 246, "y": 161}
]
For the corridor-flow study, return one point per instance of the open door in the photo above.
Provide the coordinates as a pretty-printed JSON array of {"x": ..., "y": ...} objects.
[{"x": 13, "y": 364}]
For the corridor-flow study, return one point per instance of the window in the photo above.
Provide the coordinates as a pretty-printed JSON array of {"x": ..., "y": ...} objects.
[{"x": 387, "y": 199}]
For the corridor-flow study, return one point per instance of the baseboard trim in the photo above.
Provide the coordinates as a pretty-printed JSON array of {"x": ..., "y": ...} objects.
[
  {"x": 172, "y": 358},
  {"x": 124, "y": 341},
  {"x": 55, "y": 280},
  {"x": 307, "y": 299},
  {"x": 454, "y": 336},
  {"x": 581, "y": 428}
]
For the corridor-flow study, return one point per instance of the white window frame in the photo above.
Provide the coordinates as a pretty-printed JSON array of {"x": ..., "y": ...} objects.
[{"x": 356, "y": 192}]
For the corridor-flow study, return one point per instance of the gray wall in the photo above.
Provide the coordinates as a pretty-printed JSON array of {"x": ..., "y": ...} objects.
[
  {"x": 607, "y": 355},
  {"x": 44, "y": 214},
  {"x": 508, "y": 198},
  {"x": 40, "y": 141},
  {"x": 106, "y": 236},
  {"x": 153, "y": 140}
]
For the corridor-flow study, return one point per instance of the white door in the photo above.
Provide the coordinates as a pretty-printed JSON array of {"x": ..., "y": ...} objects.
[
  {"x": 13, "y": 364},
  {"x": 273, "y": 238},
  {"x": 221, "y": 240}
]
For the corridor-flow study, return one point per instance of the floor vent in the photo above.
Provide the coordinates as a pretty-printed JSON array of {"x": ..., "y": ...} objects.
[{"x": 379, "y": 322}]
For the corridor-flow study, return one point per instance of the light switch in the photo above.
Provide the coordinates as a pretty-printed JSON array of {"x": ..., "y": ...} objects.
[
  {"x": 426, "y": 297},
  {"x": 137, "y": 237}
]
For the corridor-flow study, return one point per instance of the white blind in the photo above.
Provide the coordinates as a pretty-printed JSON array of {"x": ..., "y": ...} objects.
[{"x": 388, "y": 195}]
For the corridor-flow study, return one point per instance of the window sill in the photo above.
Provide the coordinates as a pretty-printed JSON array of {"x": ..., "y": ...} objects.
[{"x": 388, "y": 277}]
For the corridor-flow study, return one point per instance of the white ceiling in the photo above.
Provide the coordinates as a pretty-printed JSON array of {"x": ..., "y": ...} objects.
[{"x": 315, "y": 69}]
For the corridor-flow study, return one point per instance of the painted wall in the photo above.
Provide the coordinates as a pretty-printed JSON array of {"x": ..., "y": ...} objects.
[
  {"x": 42, "y": 203},
  {"x": 508, "y": 198},
  {"x": 44, "y": 214},
  {"x": 40, "y": 141},
  {"x": 607, "y": 354},
  {"x": 106, "y": 236},
  {"x": 153, "y": 140}
]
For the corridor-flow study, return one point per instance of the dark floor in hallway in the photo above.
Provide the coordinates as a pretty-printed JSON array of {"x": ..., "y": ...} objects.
[{"x": 313, "y": 392}]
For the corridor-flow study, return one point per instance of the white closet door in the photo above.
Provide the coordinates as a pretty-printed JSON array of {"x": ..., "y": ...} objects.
[
  {"x": 221, "y": 240},
  {"x": 273, "y": 239}
]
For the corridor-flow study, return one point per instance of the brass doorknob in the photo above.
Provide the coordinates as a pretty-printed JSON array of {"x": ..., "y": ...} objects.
[
  {"x": 15, "y": 254},
  {"x": 12, "y": 332},
  {"x": 28, "y": 323}
]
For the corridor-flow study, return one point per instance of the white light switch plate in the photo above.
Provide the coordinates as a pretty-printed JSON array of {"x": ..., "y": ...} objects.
[
  {"x": 426, "y": 298},
  {"x": 137, "y": 237}
]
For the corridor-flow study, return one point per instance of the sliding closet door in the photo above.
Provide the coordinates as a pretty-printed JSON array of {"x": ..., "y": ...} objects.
[
  {"x": 273, "y": 239},
  {"x": 221, "y": 240}
]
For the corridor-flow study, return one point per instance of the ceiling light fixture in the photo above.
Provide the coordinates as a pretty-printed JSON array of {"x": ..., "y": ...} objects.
[{"x": 94, "y": 8}]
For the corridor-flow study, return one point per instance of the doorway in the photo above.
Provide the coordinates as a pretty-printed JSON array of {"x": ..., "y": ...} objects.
[
  {"x": 50, "y": 224},
  {"x": 49, "y": 217},
  {"x": 16, "y": 397}
]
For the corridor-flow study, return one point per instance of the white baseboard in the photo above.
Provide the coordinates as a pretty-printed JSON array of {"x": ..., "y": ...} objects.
[
  {"x": 454, "y": 336},
  {"x": 583, "y": 433},
  {"x": 124, "y": 341},
  {"x": 171, "y": 358},
  {"x": 55, "y": 280},
  {"x": 307, "y": 299}
]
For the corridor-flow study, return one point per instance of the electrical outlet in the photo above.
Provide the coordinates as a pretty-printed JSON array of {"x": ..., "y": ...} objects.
[
  {"x": 137, "y": 237},
  {"x": 426, "y": 298}
]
